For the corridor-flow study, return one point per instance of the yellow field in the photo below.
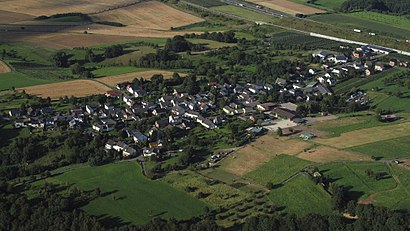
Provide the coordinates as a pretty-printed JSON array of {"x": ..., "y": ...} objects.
[
  {"x": 366, "y": 136},
  {"x": 78, "y": 88},
  {"x": 259, "y": 152},
  {"x": 324, "y": 154},
  {"x": 287, "y": 6},
  {"x": 12, "y": 17},
  {"x": 4, "y": 68},
  {"x": 114, "y": 80}
]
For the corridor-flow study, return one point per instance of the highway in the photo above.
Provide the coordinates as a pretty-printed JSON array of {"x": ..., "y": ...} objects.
[{"x": 273, "y": 13}]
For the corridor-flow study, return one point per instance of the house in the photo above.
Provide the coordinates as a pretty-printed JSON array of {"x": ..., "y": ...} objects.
[
  {"x": 284, "y": 113},
  {"x": 128, "y": 151},
  {"x": 206, "y": 123},
  {"x": 266, "y": 106},
  {"x": 228, "y": 110},
  {"x": 113, "y": 94},
  {"x": 307, "y": 136},
  {"x": 148, "y": 152},
  {"x": 102, "y": 128},
  {"x": 109, "y": 145},
  {"x": 281, "y": 82},
  {"x": 20, "y": 123},
  {"x": 379, "y": 67},
  {"x": 179, "y": 92},
  {"x": 46, "y": 110},
  {"x": 369, "y": 72},
  {"x": 119, "y": 146},
  {"x": 89, "y": 109},
  {"x": 128, "y": 100},
  {"x": 162, "y": 123},
  {"x": 174, "y": 120},
  {"x": 393, "y": 62},
  {"x": 15, "y": 113},
  {"x": 138, "y": 137},
  {"x": 320, "y": 54}
]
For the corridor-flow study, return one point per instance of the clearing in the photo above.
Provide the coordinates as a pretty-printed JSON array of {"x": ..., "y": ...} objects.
[
  {"x": 4, "y": 68},
  {"x": 288, "y": 6},
  {"x": 78, "y": 88},
  {"x": 366, "y": 136},
  {"x": 128, "y": 195},
  {"x": 128, "y": 77},
  {"x": 251, "y": 156},
  {"x": 324, "y": 154}
]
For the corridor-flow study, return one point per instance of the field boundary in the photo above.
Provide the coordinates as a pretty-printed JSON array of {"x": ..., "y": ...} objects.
[{"x": 5, "y": 68}]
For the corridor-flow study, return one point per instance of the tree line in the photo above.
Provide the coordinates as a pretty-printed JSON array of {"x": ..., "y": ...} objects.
[{"x": 400, "y": 7}]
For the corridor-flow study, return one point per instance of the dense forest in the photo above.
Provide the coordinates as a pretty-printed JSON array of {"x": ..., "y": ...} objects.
[{"x": 392, "y": 6}]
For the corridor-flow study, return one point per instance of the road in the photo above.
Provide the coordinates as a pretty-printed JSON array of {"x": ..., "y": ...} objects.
[{"x": 273, "y": 13}]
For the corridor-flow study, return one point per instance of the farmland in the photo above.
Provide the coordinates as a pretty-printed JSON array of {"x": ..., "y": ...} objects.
[
  {"x": 288, "y": 6},
  {"x": 387, "y": 149},
  {"x": 301, "y": 196},
  {"x": 4, "y": 68},
  {"x": 257, "y": 153},
  {"x": 17, "y": 79},
  {"x": 79, "y": 88},
  {"x": 367, "y": 135},
  {"x": 128, "y": 77},
  {"x": 277, "y": 169},
  {"x": 326, "y": 4},
  {"x": 130, "y": 196},
  {"x": 324, "y": 154}
]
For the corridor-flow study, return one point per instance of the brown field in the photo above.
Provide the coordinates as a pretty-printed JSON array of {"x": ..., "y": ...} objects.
[
  {"x": 324, "y": 154},
  {"x": 47, "y": 7},
  {"x": 366, "y": 136},
  {"x": 115, "y": 79},
  {"x": 287, "y": 6},
  {"x": 4, "y": 68},
  {"x": 149, "y": 15},
  {"x": 79, "y": 88},
  {"x": 12, "y": 17},
  {"x": 259, "y": 152}
]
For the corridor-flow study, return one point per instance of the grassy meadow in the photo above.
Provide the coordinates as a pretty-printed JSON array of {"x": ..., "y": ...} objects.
[
  {"x": 387, "y": 149},
  {"x": 130, "y": 196}
]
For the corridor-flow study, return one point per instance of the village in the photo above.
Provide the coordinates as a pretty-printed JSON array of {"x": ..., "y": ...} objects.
[{"x": 183, "y": 111}]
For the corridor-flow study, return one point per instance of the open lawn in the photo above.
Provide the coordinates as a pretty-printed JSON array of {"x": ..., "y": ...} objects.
[
  {"x": 210, "y": 43},
  {"x": 78, "y": 88},
  {"x": 387, "y": 149},
  {"x": 353, "y": 176},
  {"x": 259, "y": 152},
  {"x": 367, "y": 136},
  {"x": 130, "y": 196},
  {"x": 322, "y": 154},
  {"x": 398, "y": 21},
  {"x": 128, "y": 77},
  {"x": 109, "y": 71},
  {"x": 327, "y": 4},
  {"x": 134, "y": 55},
  {"x": 301, "y": 196},
  {"x": 277, "y": 169},
  {"x": 287, "y": 6}
]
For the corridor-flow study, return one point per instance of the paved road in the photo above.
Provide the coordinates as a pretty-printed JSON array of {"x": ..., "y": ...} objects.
[{"x": 253, "y": 7}]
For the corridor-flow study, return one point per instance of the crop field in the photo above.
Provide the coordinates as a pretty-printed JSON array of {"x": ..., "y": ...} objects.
[
  {"x": 302, "y": 40},
  {"x": 354, "y": 175},
  {"x": 367, "y": 25},
  {"x": 78, "y": 88},
  {"x": 12, "y": 17},
  {"x": 114, "y": 80},
  {"x": 327, "y": 4},
  {"x": 277, "y": 169},
  {"x": 349, "y": 123},
  {"x": 134, "y": 55},
  {"x": 41, "y": 7},
  {"x": 257, "y": 153},
  {"x": 4, "y": 68},
  {"x": 130, "y": 196},
  {"x": 387, "y": 149},
  {"x": 323, "y": 154},
  {"x": 207, "y": 3},
  {"x": 301, "y": 196},
  {"x": 288, "y": 6},
  {"x": 398, "y": 21},
  {"x": 119, "y": 70},
  {"x": 367, "y": 136},
  {"x": 244, "y": 13},
  {"x": 17, "y": 80}
]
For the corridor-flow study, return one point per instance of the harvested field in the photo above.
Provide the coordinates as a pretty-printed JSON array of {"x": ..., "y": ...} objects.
[
  {"x": 327, "y": 154},
  {"x": 366, "y": 136},
  {"x": 12, "y": 17},
  {"x": 114, "y": 80},
  {"x": 42, "y": 7},
  {"x": 150, "y": 15},
  {"x": 259, "y": 152},
  {"x": 79, "y": 88},
  {"x": 288, "y": 6},
  {"x": 64, "y": 40},
  {"x": 4, "y": 68}
]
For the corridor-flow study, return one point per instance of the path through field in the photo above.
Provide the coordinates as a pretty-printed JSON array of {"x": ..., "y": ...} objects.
[{"x": 4, "y": 68}]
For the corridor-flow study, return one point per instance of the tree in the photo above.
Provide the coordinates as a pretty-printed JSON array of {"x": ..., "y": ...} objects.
[
  {"x": 60, "y": 59},
  {"x": 279, "y": 132},
  {"x": 90, "y": 56}
]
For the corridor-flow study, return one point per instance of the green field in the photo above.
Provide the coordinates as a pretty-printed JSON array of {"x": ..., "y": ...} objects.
[
  {"x": 109, "y": 71},
  {"x": 244, "y": 13},
  {"x": 367, "y": 25},
  {"x": 277, "y": 169},
  {"x": 132, "y": 197},
  {"x": 349, "y": 123},
  {"x": 326, "y": 4},
  {"x": 353, "y": 175},
  {"x": 301, "y": 196},
  {"x": 17, "y": 79},
  {"x": 398, "y": 21},
  {"x": 388, "y": 149}
]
